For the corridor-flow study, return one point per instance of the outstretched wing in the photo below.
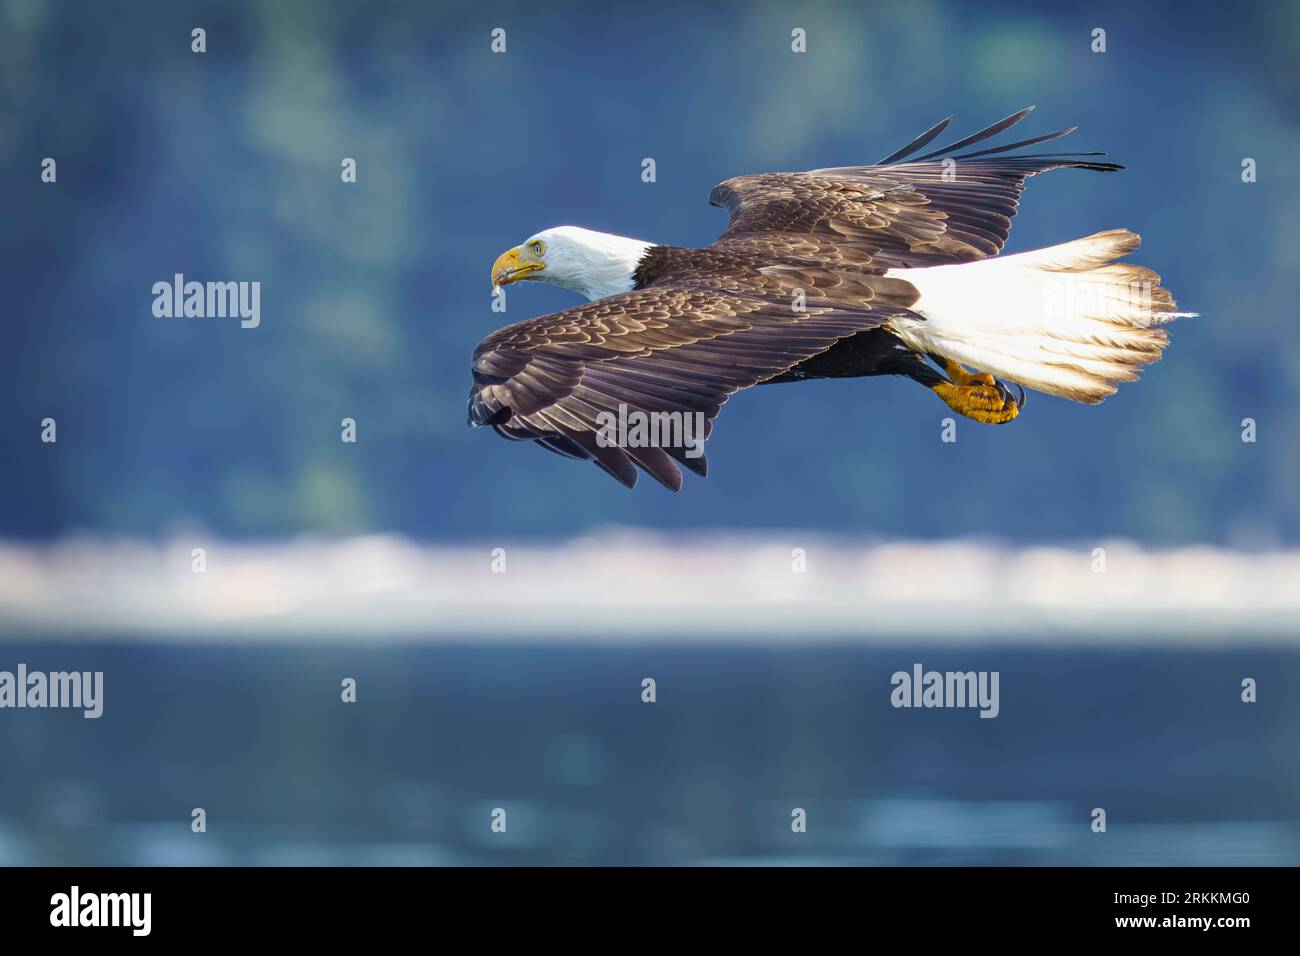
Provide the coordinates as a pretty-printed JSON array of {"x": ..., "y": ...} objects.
[
  {"x": 676, "y": 349},
  {"x": 940, "y": 207}
]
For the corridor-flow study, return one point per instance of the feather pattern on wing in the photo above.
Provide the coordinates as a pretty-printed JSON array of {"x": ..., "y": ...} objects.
[
  {"x": 666, "y": 349},
  {"x": 937, "y": 209}
]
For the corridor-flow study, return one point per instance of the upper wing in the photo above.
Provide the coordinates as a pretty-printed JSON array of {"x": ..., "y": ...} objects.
[
  {"x": 927, "y": 211},
  {"x": 675, "y": 349}
]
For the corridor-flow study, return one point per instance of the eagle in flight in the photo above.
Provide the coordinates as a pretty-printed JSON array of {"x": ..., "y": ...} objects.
[{"x": 891, "y": 269}]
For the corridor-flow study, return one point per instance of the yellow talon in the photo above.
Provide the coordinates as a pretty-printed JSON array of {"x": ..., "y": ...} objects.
[
  {"x": 960, "y": 376},
  {"x": 976, "y": 395}
]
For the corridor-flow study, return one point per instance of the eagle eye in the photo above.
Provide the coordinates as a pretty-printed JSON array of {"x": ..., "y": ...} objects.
[{"x": 536, "y": 246}]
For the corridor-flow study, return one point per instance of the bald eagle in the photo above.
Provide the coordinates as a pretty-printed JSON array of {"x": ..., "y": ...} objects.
[{"x": 891, "y": 269}]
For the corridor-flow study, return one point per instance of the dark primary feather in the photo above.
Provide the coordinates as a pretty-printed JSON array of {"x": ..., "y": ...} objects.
[
  {"x": 1032, "y": 141},
  {"x": 702, "y": 324},
  {"x": 987, "y": 133},
  {"x": 922, "y": 140}
]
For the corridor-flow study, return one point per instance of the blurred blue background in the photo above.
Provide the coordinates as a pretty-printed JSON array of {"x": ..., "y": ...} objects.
[{"x": 225, "y": 166}]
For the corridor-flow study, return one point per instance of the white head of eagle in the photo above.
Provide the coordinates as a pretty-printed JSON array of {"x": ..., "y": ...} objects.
[{"x": 595, "y": 264}]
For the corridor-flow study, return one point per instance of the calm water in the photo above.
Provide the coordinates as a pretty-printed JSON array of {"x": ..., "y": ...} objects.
[{"x": 587, "y": 773}]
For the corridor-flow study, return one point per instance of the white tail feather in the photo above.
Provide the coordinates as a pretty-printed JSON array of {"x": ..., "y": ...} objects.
[{"x": 1067, "y": 320}]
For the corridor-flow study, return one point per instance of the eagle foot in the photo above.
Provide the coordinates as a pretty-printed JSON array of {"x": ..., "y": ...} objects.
[
  {"x": 959, "y": 376},
  {"x": 978, "y": 395}
]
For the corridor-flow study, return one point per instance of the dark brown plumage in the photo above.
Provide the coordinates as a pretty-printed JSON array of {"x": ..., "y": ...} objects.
[{"x": 702, "y": 324}]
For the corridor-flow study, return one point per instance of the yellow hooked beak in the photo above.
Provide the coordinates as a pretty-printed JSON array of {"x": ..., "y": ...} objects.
[{"x": 513, "y": 265}]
